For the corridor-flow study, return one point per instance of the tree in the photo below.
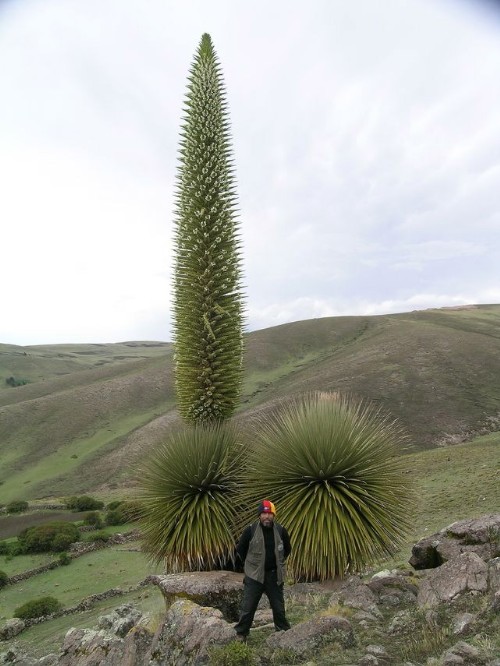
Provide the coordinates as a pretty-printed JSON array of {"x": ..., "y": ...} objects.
[{"x": 208, "y": 316}]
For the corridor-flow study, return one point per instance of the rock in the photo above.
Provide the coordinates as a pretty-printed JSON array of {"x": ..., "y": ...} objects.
[
  {"x": 475, "y": 536},
  {"x": 121, "y": 620},
  {"x": 218, "y": 589},
  {"x": 378, "y": 651},
  {"x": 11, "y": 628},
  {"x": 461, "y": 653},
  {"x": 395, "y": 587},
  {"x": 187, "y": 632},
  {"x": 87, "y": 647},
  {"x": 355, "y": 594},
  {"x": 463, "y": 624},
  {"x": 368, "y": 660},
  {"x": 466, "y": 573},
  {"x": 14, "y": 656},
  {"x": 306, "y": 638},
  {"x": 495, "y": 604},
  {"x": 494, "y": 575},
  {"x": 401, "y": 623}
]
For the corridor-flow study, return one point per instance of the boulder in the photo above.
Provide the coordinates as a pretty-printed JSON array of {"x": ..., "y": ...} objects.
[
  {"x": 87, "y": 647},
  {"x": 186, "y": 634},
  {"x": 463, "y": 624},
  {"x": 305, "y": 638},
  {"x": 466, "y": 573},
  {"x": 219, "y": 589},
  {"x": 14, "y": 656},
  {"x": 393, "y": 589},
  {"x": 11, "y": 628},
  {"x": 479, "y": 535},
  {"x": 355, "y": 594},
  {"x": 461, "y": 653},
  {"x": 121, "y": 620}
]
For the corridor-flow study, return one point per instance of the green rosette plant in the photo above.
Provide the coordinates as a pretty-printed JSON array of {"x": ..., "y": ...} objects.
[
  {"x": 189, "y": 497},
  {"x": 333, "y": 468}
]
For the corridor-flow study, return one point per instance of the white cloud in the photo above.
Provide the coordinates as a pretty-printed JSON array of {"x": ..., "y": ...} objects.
[{"x": 366, "y": 142}]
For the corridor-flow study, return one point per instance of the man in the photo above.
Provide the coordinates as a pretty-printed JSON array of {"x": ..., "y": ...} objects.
[{"x": 263, "y": 547}]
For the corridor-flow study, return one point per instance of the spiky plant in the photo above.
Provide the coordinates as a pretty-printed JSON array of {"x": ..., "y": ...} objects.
[
  {"x": 207, "y": 291},
  {"x": 332, "y": 466},
  {"x": 189, "y": 496}
]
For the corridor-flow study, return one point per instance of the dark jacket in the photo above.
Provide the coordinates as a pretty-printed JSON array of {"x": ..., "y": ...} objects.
[{"x": 262, "y": 549}]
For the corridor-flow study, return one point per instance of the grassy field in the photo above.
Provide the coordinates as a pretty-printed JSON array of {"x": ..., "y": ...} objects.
[{"x": 116, "y": 566}]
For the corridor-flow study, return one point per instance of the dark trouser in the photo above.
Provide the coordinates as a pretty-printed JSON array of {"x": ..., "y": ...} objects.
[{"x": 252, "y": 592}]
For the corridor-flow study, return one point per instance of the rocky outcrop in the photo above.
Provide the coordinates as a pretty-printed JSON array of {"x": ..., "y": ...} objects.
[
  {"x": 219, "y": 589},
  {"x": 480, "y": 536},
  {"x": 11, "y": 628},
  {"x": 187, "y": 633},
  {"x": 363, "y": 621},
  {"x": 466, "y": 573},
  {"x": 305, "y": 638}
]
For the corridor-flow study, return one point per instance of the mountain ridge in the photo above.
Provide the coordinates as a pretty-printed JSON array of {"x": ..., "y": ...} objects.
[{"x": 89, "y": 412}]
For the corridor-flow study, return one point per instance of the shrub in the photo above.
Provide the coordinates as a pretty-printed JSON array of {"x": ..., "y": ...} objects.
[
  {"x": 38, "y": 608},
  {"x": 99, "y": 536},
  {"x": 114, "y": 505},
  {"x": 232, "y": 654},
  {"x": 64, "y": 559},
  {"x": 17, "y": 506},
  {"x": 12, "y": 381},
  {"x": 93, "y": 518},
  {"x": 333, "y": 468},
  {"x": 62, "y": 542},
  {"x": 55, "y": 536},
  {"x": 132, "y": 510},
  {"x": 84, "y": 503},
  {"x": 116, "y": 516},
  {"x": 4, "y": 579}
]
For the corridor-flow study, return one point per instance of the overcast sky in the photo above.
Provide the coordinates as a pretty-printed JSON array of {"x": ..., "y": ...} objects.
[{"x": 366, "y": 138}]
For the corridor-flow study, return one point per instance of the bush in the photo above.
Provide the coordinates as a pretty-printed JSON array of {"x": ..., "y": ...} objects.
[
  {"x": 4, "y": 579},
  {"x": 99, "y": 536},
  {"x": 84, "y": 503},
  {"x": 56, "y": 536},
  {"x": 38, "y": 608},
  {"x": 64, "y": 559},
  {"x": 114, "y": 505},
  {"x": 115, "y": 517},
  {"x": 93, "y": 518},
  {"x": 12, "y": 381},
  {"x": 232, "y": 654},
  {"x": 17, "y": 506}
]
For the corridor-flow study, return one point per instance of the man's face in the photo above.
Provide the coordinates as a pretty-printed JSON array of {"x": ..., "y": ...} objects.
[{"x": 266, "y": 519}]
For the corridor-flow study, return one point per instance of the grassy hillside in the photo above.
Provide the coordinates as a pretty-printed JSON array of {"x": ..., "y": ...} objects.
[
  {"x": 451, "y": 484},
  {"x": 90, "y": 411}
]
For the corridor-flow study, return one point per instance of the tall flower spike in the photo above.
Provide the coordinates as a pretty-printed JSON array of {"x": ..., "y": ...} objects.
[{"x": 208, "y": 317}]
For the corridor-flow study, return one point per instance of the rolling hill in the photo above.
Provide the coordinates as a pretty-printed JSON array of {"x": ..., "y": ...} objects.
[{"x": 89, "y": 412}]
